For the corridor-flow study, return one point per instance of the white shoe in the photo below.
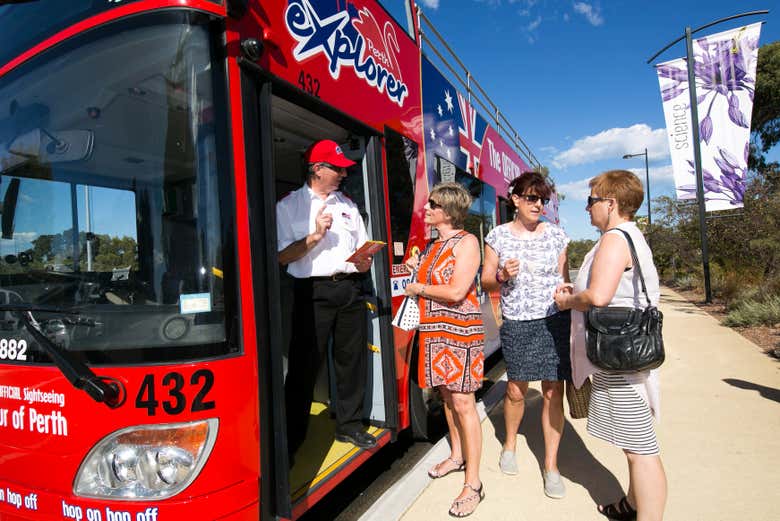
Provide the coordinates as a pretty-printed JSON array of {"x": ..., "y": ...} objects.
[
  {"x": 507, "y": 462},
  {"x": 553, "y": 485}
]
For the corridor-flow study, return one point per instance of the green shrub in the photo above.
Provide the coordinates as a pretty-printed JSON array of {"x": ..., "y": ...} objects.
[
  {"x": 742, "y": 295},
  {"x": 686, "y": 282},
  {"x": 754, "y": 312}
]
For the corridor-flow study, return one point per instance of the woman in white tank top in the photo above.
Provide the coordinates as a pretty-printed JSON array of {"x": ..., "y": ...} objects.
[{"x": 622, "y": 406}]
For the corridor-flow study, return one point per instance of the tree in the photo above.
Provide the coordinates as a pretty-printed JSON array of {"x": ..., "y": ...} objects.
[
  {"x": 577, "y": 251},
  {"x": 766, "y": 102}
]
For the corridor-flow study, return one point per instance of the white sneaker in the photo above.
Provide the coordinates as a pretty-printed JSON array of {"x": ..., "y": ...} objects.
[
  {"x": 507, "y": 462},
  {"x": 553, "y": 485}
]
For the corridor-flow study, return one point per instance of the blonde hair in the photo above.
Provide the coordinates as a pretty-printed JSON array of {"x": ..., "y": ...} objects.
[
  {"x": 454, "y": 200},
  {"x": 623, "y": 186}
]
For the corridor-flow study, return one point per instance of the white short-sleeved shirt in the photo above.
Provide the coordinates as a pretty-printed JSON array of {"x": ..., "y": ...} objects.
[
  {"x": 295, "y": 219},
  {"x": 529, "y": 296}
]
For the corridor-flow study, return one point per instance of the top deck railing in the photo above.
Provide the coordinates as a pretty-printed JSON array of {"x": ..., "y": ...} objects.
[{"x": 474, "y": 91}]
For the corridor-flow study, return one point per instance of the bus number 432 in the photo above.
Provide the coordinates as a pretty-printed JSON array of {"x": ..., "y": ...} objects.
[
  {"x": 309, "y": 84},
  {"x": 173, "y": 387}
]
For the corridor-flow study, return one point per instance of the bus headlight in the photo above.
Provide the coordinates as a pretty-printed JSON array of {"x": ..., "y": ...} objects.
[{"x": 146, "y": 461}]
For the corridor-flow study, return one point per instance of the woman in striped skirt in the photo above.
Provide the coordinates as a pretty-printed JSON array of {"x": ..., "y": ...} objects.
[{"x": 622, "y": 406}]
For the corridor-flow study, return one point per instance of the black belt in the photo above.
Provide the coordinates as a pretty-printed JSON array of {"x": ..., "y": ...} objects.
[{"x": 336, "y": 277}]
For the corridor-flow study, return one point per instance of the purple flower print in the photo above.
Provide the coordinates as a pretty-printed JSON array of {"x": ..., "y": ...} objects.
[
  {"x": 735, "y": 114},
  {"x": 729, "y": 185},
  {"x": 705, "y": 129},
  {"x": 720, "y": 68}
]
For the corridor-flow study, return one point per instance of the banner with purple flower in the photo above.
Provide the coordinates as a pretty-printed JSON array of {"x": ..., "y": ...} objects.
[{"x": 725, "y": 72}]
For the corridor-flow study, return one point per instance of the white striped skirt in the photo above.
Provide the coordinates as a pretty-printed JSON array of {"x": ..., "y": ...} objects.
[{"x": 618, "y": 414}]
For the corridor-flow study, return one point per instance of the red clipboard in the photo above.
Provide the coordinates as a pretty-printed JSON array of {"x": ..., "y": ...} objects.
[{"x": 369, "y": 248}]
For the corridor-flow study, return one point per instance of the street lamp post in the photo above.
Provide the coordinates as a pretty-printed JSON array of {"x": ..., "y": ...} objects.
[{"x": 647, "y": 184}]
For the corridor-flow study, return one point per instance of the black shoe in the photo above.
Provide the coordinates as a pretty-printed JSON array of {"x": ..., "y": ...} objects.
[{"x": 361, "y": 439}]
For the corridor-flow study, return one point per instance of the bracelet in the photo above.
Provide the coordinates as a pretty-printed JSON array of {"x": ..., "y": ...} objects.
[{"x": 497, "y": 277}]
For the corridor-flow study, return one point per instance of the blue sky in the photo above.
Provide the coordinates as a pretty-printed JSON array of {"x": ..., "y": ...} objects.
[{"x": 572, "y": 78}]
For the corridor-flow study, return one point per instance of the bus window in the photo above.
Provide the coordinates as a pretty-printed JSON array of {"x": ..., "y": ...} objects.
[
  {"x": 401, "y": 158},
  {"x": 110, "y": 168},
  {"x": 104, "y": 241},
  {"x": 505, "y": 213},
  {"x": 482, "y": 214}
]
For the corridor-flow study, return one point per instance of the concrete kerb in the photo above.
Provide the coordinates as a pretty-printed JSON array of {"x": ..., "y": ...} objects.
[{"x": 397, "y": 499}]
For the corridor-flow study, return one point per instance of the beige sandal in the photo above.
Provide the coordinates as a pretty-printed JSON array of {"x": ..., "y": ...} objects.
[
  {"x": 435, "y": 471},
  {"x": 475, "y": 499}
]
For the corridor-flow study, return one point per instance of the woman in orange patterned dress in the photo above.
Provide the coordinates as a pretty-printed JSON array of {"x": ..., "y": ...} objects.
[{"x": 451, "y": 334}]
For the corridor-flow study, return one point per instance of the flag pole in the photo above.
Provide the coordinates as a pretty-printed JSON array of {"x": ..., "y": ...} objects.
[
  {"x": 695, "y": 131},
  {"x": 705, "y": 257}
]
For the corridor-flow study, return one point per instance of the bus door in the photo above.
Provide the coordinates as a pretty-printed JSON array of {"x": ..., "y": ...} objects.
[{"x": 284, "y": 131}]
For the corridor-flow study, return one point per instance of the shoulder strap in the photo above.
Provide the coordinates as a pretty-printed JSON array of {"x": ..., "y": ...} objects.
[
  {"x": 635, "y": 260},
  {"x": 457, "y": 237}
]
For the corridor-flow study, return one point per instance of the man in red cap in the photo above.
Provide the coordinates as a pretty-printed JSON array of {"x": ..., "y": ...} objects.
[{"x": 318, "y": 228}]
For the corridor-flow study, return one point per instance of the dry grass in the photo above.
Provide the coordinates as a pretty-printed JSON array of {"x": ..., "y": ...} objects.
[{"x": 767, "y": 337}]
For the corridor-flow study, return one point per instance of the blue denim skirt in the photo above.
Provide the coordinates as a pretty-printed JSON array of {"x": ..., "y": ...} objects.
[{"x": 538, "y": 349}]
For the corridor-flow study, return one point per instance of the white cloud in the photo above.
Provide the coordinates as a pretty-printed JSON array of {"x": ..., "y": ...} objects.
[
  {"x": 575, "y": 190},
  {"x": 25, "y": 236},
  {"x": 20, "y": 242},
  {"x": 580, "y": 190},
  {"x": 534, "y": 24},
  {"x": 433, "y": 4},
  {"x": 614, "y": 143},
  {"x": 591, "y": 13},
  {"x": 657, "y": 174}
]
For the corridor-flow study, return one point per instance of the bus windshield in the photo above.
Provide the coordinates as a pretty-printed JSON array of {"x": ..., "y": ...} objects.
[{"x": 113, "y": 207}]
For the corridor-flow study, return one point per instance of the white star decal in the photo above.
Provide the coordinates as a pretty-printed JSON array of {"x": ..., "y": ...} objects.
[
  {"x": 448, "y": 154},
  {"x": 433, "y": 135},
  {"x": 452, "y": 132},
  {"x": 439, "y": 110},
  {"x": 448, "y": 100},
  {"x": 441, "y": 144}
]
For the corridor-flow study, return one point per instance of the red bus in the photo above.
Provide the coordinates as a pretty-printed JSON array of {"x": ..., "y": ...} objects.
[{"x": 144, "y": 318}]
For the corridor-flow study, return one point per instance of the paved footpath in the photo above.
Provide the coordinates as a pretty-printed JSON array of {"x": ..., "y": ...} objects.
[{"x": 719, "y": 436}]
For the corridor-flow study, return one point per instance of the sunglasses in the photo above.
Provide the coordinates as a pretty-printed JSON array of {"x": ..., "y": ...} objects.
[
  {"x": 593, "y": 200},
  {"x": 533, "y": 199},
  {"x": 334, "y": 168},
  {"x": 433, "y": 205}
]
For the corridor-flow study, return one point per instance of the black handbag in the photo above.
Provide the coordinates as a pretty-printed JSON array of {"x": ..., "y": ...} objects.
[{"x": 623, "y": 339}]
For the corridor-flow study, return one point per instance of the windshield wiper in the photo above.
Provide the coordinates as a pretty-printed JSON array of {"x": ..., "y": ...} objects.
[
  {"x": 43, "y": 308},
  {"x": 77, "y": 373}
]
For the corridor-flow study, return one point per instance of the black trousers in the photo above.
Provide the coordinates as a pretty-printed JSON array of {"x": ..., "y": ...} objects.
[{"x": 325, "y": 308}]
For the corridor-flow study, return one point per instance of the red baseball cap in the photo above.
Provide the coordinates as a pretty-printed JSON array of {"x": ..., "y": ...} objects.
[{"x": 327, "y": 151}]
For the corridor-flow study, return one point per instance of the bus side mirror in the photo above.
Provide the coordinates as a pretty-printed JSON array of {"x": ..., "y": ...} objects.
[{"x": 9, "y": 209}]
